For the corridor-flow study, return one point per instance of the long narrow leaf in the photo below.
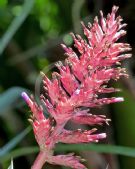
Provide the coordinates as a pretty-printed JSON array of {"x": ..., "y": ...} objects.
[
  {"x": 19, "y": 152},
  {"x": 16, "y": 23},
  {"x": 100, "y": 148},
  {"x": 11, "y": 144},
  {"x": 9, "y": 97}
]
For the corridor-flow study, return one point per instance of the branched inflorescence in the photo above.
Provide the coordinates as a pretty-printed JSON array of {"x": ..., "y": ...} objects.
[{"x": 80, "y": 81}]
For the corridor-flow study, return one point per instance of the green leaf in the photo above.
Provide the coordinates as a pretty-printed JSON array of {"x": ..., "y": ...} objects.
[
  {"x": 3, "y": 3},
  {"x": 124, "y": 115},
  {"x": 11, "y": 144},
  {"x": 100, "y": 148},
  {"x": 16, "y": 23},
  {"x": 8, "y": 98},
  {"x": 19, "y": 152},
  {"x": 11, "y": 165},
  {"x": 16, "y": 10}
]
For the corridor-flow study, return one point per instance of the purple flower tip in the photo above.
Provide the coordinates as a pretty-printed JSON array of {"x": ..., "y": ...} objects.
[{"x": 25, "y": 96}]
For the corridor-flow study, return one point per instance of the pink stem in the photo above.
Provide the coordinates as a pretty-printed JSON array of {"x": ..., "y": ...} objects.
[
  {"x": 43, "y": 155},
  {"x": 40, "y": 160}
]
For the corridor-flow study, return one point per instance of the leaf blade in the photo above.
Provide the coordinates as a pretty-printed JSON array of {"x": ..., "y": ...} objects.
[
  {"x": 11, "y": 144},
  {"x": 15, "y": 25},
  {"x": 8, "y": 97},
  {"x": 100, "y": 148}
]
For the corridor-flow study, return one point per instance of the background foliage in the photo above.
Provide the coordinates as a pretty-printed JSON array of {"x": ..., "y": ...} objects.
[{"x": 30, "y": 35}]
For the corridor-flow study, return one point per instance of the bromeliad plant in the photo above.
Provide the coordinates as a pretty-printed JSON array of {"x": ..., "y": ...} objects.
[{"x": 76, "y": 88}]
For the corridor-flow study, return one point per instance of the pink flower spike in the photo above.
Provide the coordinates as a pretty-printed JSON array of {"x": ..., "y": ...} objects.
[
  {"x": 80, "y": 136},
  {"x": 89, "y": 119},
  {"x": 68, "y": 160},
  {"x": 78, "y": 87}
]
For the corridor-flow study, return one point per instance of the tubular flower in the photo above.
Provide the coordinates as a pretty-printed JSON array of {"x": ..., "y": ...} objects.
[{"x": 76, "y": 88}]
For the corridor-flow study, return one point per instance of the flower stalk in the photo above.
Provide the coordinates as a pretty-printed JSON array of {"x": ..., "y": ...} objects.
[
  {"x": 40, "y": 160},
  {"x": 78, "y": 87}
]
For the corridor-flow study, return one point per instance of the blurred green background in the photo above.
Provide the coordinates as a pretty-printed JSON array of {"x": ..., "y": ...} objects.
[{"x": 31, "y": 32}]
